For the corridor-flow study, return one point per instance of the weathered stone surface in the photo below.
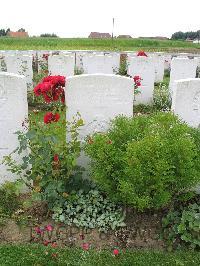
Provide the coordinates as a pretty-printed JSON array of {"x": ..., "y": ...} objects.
[
  {"x": 182, "y": 68},
  {"x": 186, "y": 101},
  {"x": 21, "y": 65},
  {"x": 100, "y": 63},
  {"x": 98, "y": 98},
  {"x": 14, "y": 110},
  {"x": 167, "y": 62},
  {"x": 159, "y": 61},
  {"x": 145, "y": 68},
  {"x": 42, "y": 59},
  {"x": 62, "y": 65}
]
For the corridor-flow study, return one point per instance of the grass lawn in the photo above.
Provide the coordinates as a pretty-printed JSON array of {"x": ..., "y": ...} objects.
[
  {"x": 40, "y": 255},
  {"x": 7, "y": 43}
]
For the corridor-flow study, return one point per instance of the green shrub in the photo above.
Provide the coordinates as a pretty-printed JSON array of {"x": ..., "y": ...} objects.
[
  {"x": 50, "y": 164},
  {"x": 122, "y": 70},
  {"x": 143, "y": 109},
  {"x": 145, "y": 161},
  {"x": 167, "y": 73},
  {"x": 182, "y": 227},
  {"x": 9, "y": 202},
  {"x": 189, "y": 227},
  {"x": 161, "y": 98},
  {"x": 89, "y": 210}
]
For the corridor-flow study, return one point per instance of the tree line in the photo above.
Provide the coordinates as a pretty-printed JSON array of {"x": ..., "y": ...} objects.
[
  {"x": 4, "y": 32},
  {"x": 192, "y": 35}
]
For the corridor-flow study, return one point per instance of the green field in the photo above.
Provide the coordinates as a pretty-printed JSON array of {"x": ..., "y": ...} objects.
[{"x": 34, "y": 43}]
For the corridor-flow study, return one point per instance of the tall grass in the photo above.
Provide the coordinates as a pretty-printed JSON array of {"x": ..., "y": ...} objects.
[{"x": 33, "y": 43}]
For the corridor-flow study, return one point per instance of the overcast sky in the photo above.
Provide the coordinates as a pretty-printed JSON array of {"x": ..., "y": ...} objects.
[{"x": 77, "y": 18}]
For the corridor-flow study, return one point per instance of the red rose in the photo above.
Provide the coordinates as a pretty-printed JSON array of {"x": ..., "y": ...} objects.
[
  {"x": 55, "y": 97},
  {"x": 63, "y": 98},
  {"x": 46, "y": 242},
  {"x": 56, "y": 158},
  {"x": 37, "y": 90},
  {"x": 54, "y": 245},
  {"x": 86, "y": 246},
  {"x": 137, "y": 81},
  {"x": 141, "y": 53},
  {"x": 48, "y": 118},
  {"x": 55, "y": 80},
  {"x": 116, "y": 252},
  {"x": 45, "y": 87},
  {"x": 38, "y": 230},
  {"x": 47, "y": 98},
  {"x": 49, "y": 227},
  {"x": 46, "y": 79},
  {"x": 51, "y": 88},
  {"x": 45, "y": 56},
  {"x": 136, "y": 78},
  {"x": 56, "y": 117}
]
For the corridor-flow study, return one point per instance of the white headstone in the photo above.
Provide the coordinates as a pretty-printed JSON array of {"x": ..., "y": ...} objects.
[
  {"x": 79, "y": 62},
  {"x": 145, "y": 68},
  {"x": 21, "y": 65},
  {"x": 100, "y": 63},
  {"x": 42, "y": 58},
  {"x": 167, "y": 62},
  {"x": 182, "y": 68},
  {"x": 186, "y": 101},
  {"x": 129, "y": 59},
  {"x": 130, "y": 53},
  {"x": 98, "y": 98},
  {"x": 159, "y": 61},
  {"x": 14, "y": 110},
  {"x": 62, "y": 65}
]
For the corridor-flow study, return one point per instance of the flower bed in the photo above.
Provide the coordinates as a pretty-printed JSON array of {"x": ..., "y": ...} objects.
[
  {"x": 139, "y": 194},
  {"x": 141, "y": 231}
]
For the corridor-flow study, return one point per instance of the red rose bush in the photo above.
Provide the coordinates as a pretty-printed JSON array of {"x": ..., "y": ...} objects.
[{"x": 51, "y": 89}]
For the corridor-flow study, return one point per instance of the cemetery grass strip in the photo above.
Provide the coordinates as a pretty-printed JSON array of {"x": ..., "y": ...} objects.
[
  {"x": 33, "y": 43},
  {"x": 37, "y": 255}
]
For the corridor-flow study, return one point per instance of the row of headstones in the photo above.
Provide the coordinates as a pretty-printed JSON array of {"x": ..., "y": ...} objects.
[
  {"x": 180, "y": 68},
  {"x": 150, "y": 69},
  {"x": 68, "y": 63},
  {"x": 109, "y": 96},
  {"x": 89, "y": 62}
]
